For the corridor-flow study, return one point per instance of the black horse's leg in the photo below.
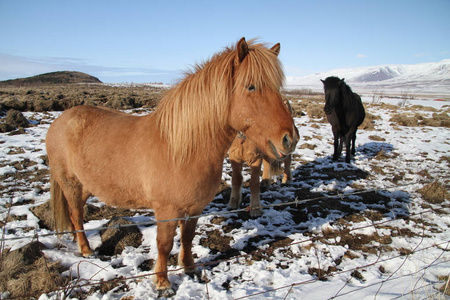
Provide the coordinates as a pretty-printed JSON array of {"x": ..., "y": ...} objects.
[
  {"x": 341, "y": 144},
  {"x": 353, "y": 144},
  {"x": 347, "y": 150},
  {"x": 349, "y": 139},
  {"x": 336, "y": 144}
]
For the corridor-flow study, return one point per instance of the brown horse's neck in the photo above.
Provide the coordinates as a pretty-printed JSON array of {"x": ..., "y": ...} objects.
[
  {"x": 207, "y": 150},
  {"x": 192, "y": 117}
]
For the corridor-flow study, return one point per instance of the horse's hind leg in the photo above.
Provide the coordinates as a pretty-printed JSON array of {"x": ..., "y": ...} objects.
[
  {"x": 236, "y": 185},
  {"x": 76, "y": 200},
  {"x": 350, "y": 139},
  {"x": 348, "y": 150}
]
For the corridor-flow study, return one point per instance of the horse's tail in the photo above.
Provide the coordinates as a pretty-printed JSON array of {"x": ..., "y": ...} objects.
[{"x": 59, "y": 207}]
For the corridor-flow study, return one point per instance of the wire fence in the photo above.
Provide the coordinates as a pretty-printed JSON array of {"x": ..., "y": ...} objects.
[
  {"x": 345, "y": 291},
  {"x": 296, "y": 202}
]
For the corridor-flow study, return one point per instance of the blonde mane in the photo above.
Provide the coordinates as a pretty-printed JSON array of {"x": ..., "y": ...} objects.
[{"x": 194, "y": 112}]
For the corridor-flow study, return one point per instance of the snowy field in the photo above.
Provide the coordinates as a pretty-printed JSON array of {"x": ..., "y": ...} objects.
[
  {"x": 427, "y": 80},
  {"x": 339, "y": 231}
]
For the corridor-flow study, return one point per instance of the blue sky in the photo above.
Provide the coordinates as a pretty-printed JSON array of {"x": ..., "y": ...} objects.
[{"x": 155, "y": 41}]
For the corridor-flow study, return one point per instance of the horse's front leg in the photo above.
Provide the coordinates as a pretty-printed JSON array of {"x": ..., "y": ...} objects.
[
  {"x": 348, "y": 151},
  {"x": 266, "y": 176},
  {"x": 341, "y": 145},
  {"x": 336, "y": 153},
  {"x": 236, "y": 185},
  {"x": 164, "y": 240},
  {"x": 187, "y": 229},
  {"x": 287, "y": 176},
  {"x": 353, "y": 144},
  {"x": 255, "y": 201}
]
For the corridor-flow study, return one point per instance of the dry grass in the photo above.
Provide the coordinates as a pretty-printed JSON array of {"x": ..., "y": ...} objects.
[
  {"x": 445, "y": 289},
  {"x": 437, "y": 120},
  {"x": 369, "y": 122},
  {"x": 434, "y": 193},
  {"x": 26, "y": 273},
  {"x": 51, "y": 98}
]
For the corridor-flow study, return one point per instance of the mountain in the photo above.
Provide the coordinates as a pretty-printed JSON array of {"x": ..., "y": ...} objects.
[
  {"x": 63, "y": 77},
  {"x": 433, "y": 78}
]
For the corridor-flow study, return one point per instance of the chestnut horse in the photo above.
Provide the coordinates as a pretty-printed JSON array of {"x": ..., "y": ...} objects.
[
  {"x": 170, "y": 160},
  {"x": 244, "y": 150}
]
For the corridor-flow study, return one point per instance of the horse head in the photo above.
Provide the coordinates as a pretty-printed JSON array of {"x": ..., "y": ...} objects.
[
  {"x": 332, "y": 87},
  {"x": 256, "y": 106}
]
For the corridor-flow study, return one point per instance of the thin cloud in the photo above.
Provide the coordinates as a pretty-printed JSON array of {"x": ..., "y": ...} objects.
[
  {"x": 12, "y": 66},
  {"x": 361, "y": 56}
]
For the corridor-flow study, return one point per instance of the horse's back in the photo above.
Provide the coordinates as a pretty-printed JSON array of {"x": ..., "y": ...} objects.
[
  {"x": 360, "y": 112},
  {"x": 76, "y": 125},
  {"x": 86, "y": 118}
]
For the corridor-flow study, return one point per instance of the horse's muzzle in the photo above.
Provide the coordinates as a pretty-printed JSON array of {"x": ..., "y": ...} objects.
[{"x": 288, "y": 143}]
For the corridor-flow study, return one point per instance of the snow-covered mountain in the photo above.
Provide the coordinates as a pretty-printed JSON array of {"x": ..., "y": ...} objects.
[{"x": 433, "y": 78}]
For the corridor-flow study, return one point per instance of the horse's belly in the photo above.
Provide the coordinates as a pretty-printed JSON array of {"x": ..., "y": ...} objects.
[{"x": 186, "y": 189}]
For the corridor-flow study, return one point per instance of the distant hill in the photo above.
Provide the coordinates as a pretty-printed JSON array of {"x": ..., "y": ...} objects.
[
  {"x": 420, "y": 78},
  {"x": 63, "y": 77}
]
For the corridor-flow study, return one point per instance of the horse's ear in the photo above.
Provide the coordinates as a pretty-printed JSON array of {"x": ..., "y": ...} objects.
[
  {"x": 323, "y": 81},
  {"x": 276, "y": 49},
  {"x": 242, "y": 49},
  {"x": 341, "y": 81}
]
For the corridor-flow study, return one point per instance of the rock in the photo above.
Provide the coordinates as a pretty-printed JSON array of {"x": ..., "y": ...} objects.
[
  {"x": 14, "y": 119},
  {"x": 116, "y": 238}
]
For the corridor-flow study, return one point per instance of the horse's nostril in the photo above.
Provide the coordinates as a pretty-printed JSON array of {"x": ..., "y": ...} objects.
[{"x": 287, "y": 142}]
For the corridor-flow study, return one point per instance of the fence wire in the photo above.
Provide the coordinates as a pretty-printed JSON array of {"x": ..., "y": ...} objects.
[{"x": 296, "y": 202}]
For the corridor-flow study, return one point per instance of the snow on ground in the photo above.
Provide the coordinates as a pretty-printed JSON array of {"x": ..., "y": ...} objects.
[{"x": 324, "y": 254}]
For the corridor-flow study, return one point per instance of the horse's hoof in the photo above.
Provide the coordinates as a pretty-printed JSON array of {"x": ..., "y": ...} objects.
[
  {"x": 256, "y": 213},
  {"x": 90, "y": 254},
  {"x": 286, "y": 180},
  {"x": 266, "y": 182},
  {"x": 233, "y": 206},
  {"x": 166, "y": 293},
  {"x": 195, "y": 274}
]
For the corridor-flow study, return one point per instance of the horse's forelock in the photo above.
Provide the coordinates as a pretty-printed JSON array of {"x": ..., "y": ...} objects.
[
  {"x": 332, "y": 82},
  {"x": 261, "y": 67}
]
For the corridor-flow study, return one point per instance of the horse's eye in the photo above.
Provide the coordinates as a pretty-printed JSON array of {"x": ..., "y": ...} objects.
[{"x": 251, "y": 88}]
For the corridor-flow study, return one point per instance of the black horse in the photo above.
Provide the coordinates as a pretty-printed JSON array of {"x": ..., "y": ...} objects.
[{"x": 345, "y": 113}]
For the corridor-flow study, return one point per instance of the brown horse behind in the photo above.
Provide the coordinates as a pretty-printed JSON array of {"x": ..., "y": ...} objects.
[
  {"x": 170, "y": 160},
  {"x": 242, "y": 151}
]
